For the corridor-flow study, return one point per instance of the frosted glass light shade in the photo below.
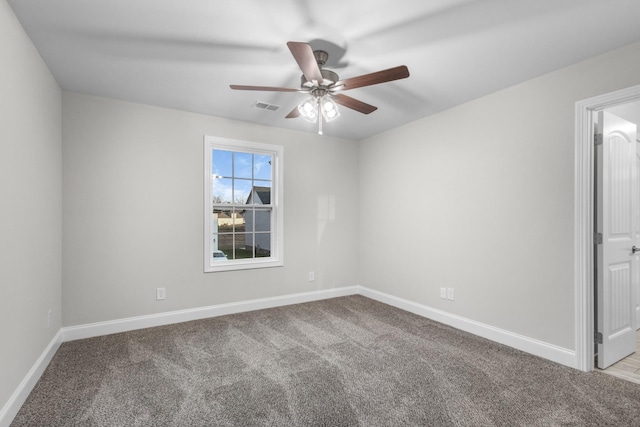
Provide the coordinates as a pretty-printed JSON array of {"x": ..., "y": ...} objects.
[
  {"x": 329, "y": 109},
  {"x": 309, "y": 109}
]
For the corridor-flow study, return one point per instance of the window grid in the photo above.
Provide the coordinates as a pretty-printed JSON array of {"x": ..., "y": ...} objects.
[{"x": 236, "y": 251}]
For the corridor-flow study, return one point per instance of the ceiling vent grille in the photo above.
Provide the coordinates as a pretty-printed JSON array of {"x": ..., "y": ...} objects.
[{"x": 265, "y": 106}]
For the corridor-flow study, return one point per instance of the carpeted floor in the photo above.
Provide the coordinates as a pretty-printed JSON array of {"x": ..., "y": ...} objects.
[{"x": 340, "y": 362}]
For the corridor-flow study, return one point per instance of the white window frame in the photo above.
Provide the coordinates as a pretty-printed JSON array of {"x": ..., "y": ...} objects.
[{"x": 276, "y": 258}]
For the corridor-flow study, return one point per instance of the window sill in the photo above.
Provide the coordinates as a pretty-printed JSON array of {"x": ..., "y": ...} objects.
[{"x": 239, "y": 265}]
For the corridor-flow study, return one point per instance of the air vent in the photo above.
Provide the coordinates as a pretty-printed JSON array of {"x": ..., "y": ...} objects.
[{"x": 265, "y": 106}]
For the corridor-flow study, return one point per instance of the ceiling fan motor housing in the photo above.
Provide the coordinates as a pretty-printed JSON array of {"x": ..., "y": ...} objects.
[
  {"x": 321, "y": 57},
  {"x": 326, "y": 75}
]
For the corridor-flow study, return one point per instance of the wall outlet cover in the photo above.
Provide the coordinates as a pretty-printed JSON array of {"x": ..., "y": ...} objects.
[{"x": 451, "y": 294}]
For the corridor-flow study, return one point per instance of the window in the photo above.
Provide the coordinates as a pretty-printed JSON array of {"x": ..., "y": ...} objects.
[{"x": 243, "y": 204}]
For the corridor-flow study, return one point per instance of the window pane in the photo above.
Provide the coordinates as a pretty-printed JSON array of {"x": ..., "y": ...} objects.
[
  {"x": 239, "y": 221},
  {"x": 218, "y": 254},
  {"x": 225, "y": 244},
  {"x": 221, "y": 190},
  {"x": 242, "y": 188},
  {"x": 262, "y": 218},
  {"x": 222, "y": 221},
  {"x": 242, "y": 165},
  {"x": 244, "y": 245},
  {"x": 263, "y": 245},
  {"x": 221, "y": 163},
  {"x": 262, "y": 166},
  {"x": 261, "y": 193}
]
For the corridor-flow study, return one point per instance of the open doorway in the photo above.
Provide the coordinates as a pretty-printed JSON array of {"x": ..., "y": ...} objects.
[
  {"x": 628, "y": 368},
  {"x": 617, "y": 231},
  {"x": 584, "y": 265},
  {"x": 631, "y": 111}
]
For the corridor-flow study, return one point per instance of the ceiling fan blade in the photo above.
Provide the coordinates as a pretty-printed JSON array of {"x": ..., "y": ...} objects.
[
  {"x": 303, "y": 55},
  {"x": 265, "y": 88},
  {"x": 396, "y": 73},
  {"x": 354, "y": 104},
  {"x": 293, "y": 114}
]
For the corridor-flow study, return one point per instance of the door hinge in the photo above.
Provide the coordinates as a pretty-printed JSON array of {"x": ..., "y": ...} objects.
[
  {"x": 598, "y": 138},
  {"x": 598, "y": 337},
  {"x": 597, "y": 239}
]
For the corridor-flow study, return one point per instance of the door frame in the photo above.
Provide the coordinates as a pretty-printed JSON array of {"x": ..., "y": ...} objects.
[{"x": 584, "y": 262}]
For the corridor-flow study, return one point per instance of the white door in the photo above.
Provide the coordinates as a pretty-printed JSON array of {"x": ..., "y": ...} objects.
[
  {"x": 637, "y": 282},
  {"x": 617, "y": 216}
]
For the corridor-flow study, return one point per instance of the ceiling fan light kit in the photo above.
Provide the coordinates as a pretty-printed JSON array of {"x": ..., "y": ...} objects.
[{"x": 324, "y": 86}]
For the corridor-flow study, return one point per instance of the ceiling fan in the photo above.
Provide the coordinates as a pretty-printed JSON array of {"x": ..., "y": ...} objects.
[{"x": 324, "y": 86}]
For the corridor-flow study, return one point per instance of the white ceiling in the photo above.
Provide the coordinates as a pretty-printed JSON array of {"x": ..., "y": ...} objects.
[{"x": 183, "y": 54}]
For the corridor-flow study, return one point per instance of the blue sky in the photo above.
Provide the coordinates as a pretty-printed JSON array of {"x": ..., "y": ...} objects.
[{"x": 235, "y": 173}]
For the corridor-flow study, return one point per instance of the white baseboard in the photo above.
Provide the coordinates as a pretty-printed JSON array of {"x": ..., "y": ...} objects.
[
  {"x": 139, "y": 322},
  {"x": 542, "y": 349},
  {"x": 17, "y": 399}
]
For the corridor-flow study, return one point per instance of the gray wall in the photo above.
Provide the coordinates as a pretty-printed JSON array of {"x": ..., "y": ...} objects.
[
  {"x": 31, "y": 195},
  {"x": 133, "y": 211},
  {"x": 483, "y": 195}
]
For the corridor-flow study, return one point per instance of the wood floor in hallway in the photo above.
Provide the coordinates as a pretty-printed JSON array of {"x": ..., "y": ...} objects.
[{"x": 629, "y": 367}]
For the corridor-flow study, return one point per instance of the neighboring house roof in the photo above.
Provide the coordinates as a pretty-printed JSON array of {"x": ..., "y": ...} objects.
[
  {"x": 225, "y": 214},
  {"x": 262, "y": 195}
]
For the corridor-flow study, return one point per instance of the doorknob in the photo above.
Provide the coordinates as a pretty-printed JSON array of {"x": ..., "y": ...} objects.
[{"x": 634, "y": 250}]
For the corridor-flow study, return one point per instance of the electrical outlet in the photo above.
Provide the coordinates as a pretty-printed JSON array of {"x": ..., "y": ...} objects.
[
  {"x": 443, "y": 293},
  {"x": 312, "y": 276},
  {"x": 451, "y": 294},
  {"x": 161, "y": 294},
  {"x": 49, "y": 315}
]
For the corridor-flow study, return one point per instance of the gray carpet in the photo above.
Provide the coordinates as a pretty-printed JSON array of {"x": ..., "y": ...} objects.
[{"x": 340, "y": 362}]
